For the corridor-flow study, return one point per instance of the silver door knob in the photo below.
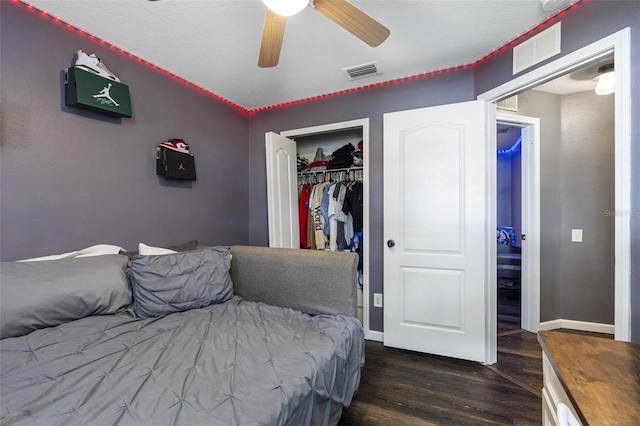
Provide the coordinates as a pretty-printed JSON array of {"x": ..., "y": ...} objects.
[{"x": 390, "y": 243}]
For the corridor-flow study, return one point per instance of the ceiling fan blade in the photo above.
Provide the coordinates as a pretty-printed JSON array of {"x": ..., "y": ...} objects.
[
  {"x": 272, "y": 35},
  {"x": 353, "y": 20}
]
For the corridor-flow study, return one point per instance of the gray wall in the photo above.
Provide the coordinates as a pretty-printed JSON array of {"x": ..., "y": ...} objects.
[
  {"x": 589, "y": 22},
  {"x": 503, "y": 189},
  {"x": 509, "y": 191},
  {"x": 447, "y": 88},
  {"x": 587, "y": 185},
  {"x": 70, "y": 179}
]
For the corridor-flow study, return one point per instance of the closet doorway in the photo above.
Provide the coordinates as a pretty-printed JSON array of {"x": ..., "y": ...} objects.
[{"x": 282, "y": 183}]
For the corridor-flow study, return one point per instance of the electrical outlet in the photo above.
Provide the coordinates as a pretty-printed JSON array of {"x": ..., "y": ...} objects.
[{"x": 377, "y": 300}]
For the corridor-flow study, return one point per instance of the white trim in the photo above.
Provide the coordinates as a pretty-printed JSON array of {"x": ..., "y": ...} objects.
[
  {"x": 491, "y": 260},
  {"x": 618, "y": 43},
  {"x": 622, "y": 60},
  {"x": 530, "y": 313},
  {"x": 376, "y": 336},
  {"x": 593, "y": 327},
  {"x": 362, "y": 123},
  {"x": 326, "y": 128}
]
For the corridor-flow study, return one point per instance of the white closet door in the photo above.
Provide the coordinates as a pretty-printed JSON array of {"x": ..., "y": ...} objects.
[
  {"x": 434, "y": 225},
  {"x": 282, "y": 192}
]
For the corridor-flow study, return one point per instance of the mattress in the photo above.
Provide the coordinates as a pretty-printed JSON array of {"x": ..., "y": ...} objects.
[
  {"x": 510, "y": 256},
  {"x": 237, "y": 362}
]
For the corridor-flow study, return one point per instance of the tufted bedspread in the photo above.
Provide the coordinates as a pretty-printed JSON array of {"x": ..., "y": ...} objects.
[{"x": 238, "y": 362}]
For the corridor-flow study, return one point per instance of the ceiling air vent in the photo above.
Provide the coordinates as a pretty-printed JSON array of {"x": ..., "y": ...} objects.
[
  {"x": 362, "y": 71},
  {"x": 510, "y": 104}
]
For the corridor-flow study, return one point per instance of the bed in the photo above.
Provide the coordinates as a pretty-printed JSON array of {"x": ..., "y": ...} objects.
[
  {"x": 509, "y": 260},
  {"x": 159, "y": 357}
]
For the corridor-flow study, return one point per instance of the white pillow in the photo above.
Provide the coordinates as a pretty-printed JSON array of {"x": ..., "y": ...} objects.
[
  {"x": 146, "y": 250},
  {"x": 97, "y": 250}
]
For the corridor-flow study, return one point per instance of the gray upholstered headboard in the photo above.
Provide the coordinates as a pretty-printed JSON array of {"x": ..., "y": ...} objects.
[{"x": 311, "y": 281}]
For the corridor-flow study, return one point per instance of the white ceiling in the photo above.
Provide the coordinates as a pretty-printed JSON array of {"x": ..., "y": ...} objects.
[
  {"x": 579, "y": 80},
  {"x": 215, "y": 43}
]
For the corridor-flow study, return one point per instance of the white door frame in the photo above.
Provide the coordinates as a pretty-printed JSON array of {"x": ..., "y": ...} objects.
[
  {"x": 530, "y": 279},
  {"x": 362, "y": 123},
  {"x": 619, "y": 44}
]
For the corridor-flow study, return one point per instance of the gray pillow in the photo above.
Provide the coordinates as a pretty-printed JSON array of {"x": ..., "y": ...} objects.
[
  {"x": 167, "y": 283},
  {"x": 51, "y": 292},
  {"x": 188, "y": 246}
]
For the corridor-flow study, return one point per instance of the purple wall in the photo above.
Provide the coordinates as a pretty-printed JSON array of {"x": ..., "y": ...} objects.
[
  {"x": 71, "y": 179},
  {"x": 509, "y": 192},
  {"x": 589, "y": 22},
  {"x": 372, "y": 104}
]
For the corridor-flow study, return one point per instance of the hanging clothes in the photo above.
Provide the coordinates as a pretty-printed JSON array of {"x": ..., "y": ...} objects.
[
  {"x": 324, "y": 208},
  {"x": 341, "y": 229},
  {"x": 354, "y": 204},
  {"x": 315, "y": 201},
  {"x": 357, "y": 246},
  {"x": 311, "y": 234},
  {"x": 331, "y": 207},
  {"x": 303, "y": 214}
]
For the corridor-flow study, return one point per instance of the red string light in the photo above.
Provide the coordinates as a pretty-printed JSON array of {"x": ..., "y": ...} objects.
[{"x": 529, "y": 32}]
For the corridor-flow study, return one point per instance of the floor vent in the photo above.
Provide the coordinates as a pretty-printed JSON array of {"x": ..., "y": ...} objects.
[
  {"x": 538, "y": 48},
  {"x": 362, "y": 71}
]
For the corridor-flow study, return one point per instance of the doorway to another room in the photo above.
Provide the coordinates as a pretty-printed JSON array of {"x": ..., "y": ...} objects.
[
  {"x": 576, "y": 154},
  {"x": 509, "y": 229}
]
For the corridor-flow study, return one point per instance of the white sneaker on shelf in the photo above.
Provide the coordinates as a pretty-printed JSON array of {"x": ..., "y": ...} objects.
[{"x": 93, "y": 64}]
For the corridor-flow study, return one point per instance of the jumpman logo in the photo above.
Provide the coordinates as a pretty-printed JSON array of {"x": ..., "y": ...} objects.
[
  {"x": 104, "y": 93},
  {"x": 181, "y": 167}
]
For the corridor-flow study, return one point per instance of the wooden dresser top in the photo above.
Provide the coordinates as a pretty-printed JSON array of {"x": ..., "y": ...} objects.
[{"x": 600, "y": 376}]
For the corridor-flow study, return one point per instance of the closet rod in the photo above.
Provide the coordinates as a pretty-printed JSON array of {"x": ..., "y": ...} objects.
[{"x": 346, "y": 169}]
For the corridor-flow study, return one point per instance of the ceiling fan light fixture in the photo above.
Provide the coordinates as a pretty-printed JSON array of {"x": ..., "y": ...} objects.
[
  {"x": 606, "y": 80},
  {"x": 555, "y": 5},
  {"x": 285, "y": 7}
]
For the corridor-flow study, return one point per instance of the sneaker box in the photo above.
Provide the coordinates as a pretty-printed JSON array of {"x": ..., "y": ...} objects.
[
  {"x": 95, "y": 93},
  {"x": 175, "y": 165}
]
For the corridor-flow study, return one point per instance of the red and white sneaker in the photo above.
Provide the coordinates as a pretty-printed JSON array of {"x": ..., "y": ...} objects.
[
  {"x": 177, "y": 145},
  {"x": 94, "y": 65}
]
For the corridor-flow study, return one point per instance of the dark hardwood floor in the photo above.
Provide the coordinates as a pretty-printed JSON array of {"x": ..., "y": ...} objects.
[{"x": 401, "y": 387}]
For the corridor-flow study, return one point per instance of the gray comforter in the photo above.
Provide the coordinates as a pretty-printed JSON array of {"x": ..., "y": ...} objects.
[{"x": 238, "y": 362}]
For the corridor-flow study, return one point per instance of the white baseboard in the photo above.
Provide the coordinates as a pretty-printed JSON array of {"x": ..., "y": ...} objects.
[
  {"x": 377, "y": 336},
  {"x": 593, "y": 327}
]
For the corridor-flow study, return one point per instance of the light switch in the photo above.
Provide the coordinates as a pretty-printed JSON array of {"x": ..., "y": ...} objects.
[{"x": 576, "y": 235}]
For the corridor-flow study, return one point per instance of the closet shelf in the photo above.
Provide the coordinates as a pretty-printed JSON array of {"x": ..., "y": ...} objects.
[{"x": 346, "y": 169}]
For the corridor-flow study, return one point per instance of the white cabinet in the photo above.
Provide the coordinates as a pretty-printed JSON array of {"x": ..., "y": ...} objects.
[{"x": 553, "y": 395}]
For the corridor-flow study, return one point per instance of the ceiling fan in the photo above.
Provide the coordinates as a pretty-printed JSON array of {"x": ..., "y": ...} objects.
[{"x": 342, "y": 12}]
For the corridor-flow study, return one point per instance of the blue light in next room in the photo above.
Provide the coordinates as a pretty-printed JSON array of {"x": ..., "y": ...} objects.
[{"x": 515, "y": 147}]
